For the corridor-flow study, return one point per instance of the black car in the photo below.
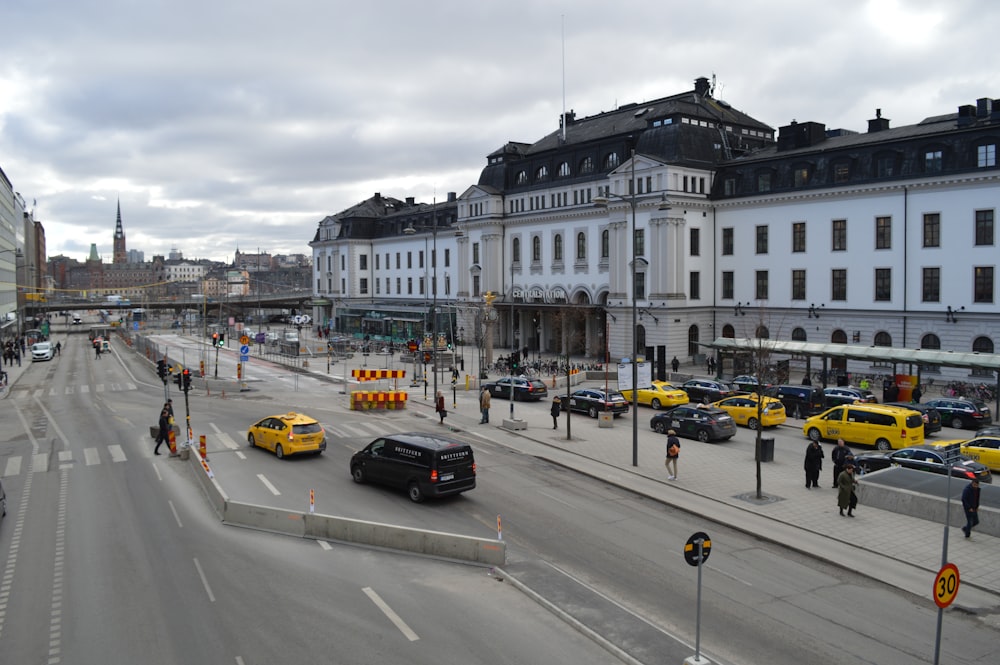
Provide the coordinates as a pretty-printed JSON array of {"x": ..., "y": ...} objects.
[
  {"x": 847, "y": 395},
  {"x": 706, "y": 390},
  {"x": 959, "y": 412},
  {"x": 593, "y": 402},
  {"x": 924, "y": 458},
  {"x": 523, "y": 389},
  {"x": 425, "y": 465},
  {"x": 799, "y": 401},
  {"x": 705, "y": 423},
  {"x": 930, "y": 415}
]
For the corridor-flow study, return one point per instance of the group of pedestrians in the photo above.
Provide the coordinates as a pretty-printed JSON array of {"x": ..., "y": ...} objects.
[
  {"x": 166, "y": 422},
  {"x": 13, "y": 350},
  {"x": 844, "y": 480}
]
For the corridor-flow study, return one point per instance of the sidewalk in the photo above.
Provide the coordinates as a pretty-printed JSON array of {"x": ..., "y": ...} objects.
[{"x": 718, "y": 482}]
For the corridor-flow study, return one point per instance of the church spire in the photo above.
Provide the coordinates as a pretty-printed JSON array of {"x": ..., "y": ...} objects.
[{"x": 120, "y": 255}]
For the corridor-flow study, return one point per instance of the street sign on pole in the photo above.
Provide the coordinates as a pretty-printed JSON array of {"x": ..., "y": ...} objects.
[{"x": 946, "y": 585}]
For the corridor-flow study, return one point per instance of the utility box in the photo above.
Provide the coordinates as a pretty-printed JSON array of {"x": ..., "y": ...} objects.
[{"x": 605, "y": 419}]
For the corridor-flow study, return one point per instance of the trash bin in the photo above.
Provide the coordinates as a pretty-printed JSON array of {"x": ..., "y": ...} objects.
[{"x": 766, "y": 450}]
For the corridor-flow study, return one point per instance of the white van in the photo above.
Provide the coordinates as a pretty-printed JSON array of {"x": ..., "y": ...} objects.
[{"x": 292, "y": 336}]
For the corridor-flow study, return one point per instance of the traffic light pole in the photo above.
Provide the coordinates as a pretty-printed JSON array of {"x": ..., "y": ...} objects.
[{"x": 216, "y": 364}]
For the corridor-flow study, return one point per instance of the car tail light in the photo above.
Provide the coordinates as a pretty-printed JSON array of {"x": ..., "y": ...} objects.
[
  {"x": 926, "y": 419},
  {"x": 434, "y": 475},
  {"x": 473, "y": 468},
  {"x": 969, "y": 474},
  {"x": 902, "y": 433},
  {"x": 291, "y": 437}
]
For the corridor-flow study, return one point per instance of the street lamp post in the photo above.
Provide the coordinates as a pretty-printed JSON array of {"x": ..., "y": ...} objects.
[
  {"x": 631, "y": 200},
  {"x": 410, "y": 230}
]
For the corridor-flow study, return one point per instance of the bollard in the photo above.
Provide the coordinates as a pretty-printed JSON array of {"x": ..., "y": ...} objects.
[
  {"x": 172, "y": 439},
  {"x": 202, "y": 447}
]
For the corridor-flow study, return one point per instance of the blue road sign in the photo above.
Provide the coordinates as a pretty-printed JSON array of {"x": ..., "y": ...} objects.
[
  {"x": 244, "y": 349},
  {"x": 243, "y": 358}
]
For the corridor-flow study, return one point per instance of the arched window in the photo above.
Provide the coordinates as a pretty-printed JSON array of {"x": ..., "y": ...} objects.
[
  {"x": 605, "y": 244},
  {"x": 611, "y": 161},
  {"x": 982, "y": 345},
  {"x": 728, "y": 331},
  {"x": 536, "y": 249},
  {"x": 883, "y": 338},
  {"x": 542, "y": 173},
  {"x": 762, "y": 332},
  {"x": 515, "y": 250},
  {"x": 522, "y": 178},
  {"x": 693, "y": 341},
  {"x": 930, "y": 341},
  {"x": 838, "y": 337},
  {"x": 581, "y": 246},
  {"x": 564, "y": 170},
  {"x": 557, "y": 248},
  {"x": 587, "y": 165},
  {"x": 798, "y": 335}
]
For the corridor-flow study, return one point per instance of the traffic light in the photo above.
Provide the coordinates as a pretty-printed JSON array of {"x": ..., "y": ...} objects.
[
  {"x": 222, "y": 339},
  {"x": 179, "y": 380},
  {"x": 186, "y": 374},
  {"x": 215, "y": 339},
  {"x": 514, "y": 358},
  {"x": 161, "y": 369}
]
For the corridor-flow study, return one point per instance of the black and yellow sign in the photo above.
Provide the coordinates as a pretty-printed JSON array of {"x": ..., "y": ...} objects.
[{"x": 691, "y": 548}]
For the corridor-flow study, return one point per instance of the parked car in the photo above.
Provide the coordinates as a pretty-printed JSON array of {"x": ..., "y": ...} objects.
[
  {"x": 743, "y": 409},
  {"x": 961, "y": 412},
  {"x": 706, "y": 390},
  {"x": 77, "y": 320},
  {"x": 746, "y": 383},
  {"x": 985, "y": 449},
  {"x": 593, "y": 402},
  {"x": 522, "y": 389},
  {"x": 705, "y": 423},
  {"x": 42, "y": 351},
  {"x": 3, "y": 501},
  {"x": 885, "y": 427},
  {"x": 931, "y": 416},
  {"x": 924, "y": 458},
  {"x": 848, "y": 395},
  {"x": 288, "y": 434},
  {"x": 799, "y": 401},
  {"x": 660, "y": 394},
  {"x": 425, "y": 465}
]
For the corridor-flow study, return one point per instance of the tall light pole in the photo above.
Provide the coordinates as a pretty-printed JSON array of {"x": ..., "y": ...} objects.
[
  {"x": 410, "y": 230},
  {"x": 631, "y": 200}
]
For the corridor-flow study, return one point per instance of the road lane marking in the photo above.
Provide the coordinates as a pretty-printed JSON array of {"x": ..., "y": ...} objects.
[
  {"x": 392, "y": 616},
  {"x": 204, "y": 581},
  {"x": 324, "y": 545},
  {"x": 91, "y": 457},
  {"x": 239, "y": 453},
  {"x": 557, "y": 499},
  {"x": 40, "y": 462},
  {"x": 84, "y": 389},
  {"x": 174, "y": 511},
  {"x": 227, "y": 441},
  {"x": 268, "y": 485}
]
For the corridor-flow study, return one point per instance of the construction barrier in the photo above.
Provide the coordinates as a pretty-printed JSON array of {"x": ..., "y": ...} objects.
[
  {"x": 363, "y": 400},
  {"x": 377, "y": 374}
]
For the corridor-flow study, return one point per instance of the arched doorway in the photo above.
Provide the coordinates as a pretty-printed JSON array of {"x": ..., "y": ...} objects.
[{"x": 838, "y": 337}]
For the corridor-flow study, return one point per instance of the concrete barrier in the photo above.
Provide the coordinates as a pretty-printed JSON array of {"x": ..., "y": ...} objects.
[
  {"x": 329, "y": 527},
  {"x": 880, "y": 490}
]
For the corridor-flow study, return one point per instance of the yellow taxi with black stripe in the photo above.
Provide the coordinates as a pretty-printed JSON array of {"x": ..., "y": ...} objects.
[
  {"x": 660, "y": 395},
  {"x": 743, "y": 409},
  {"x": 288, "y": 434},
  {"x": 985, "y": 449}
]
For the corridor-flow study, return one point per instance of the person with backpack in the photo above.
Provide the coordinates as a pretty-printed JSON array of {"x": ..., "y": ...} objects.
[{"x": 673, "y": 453}]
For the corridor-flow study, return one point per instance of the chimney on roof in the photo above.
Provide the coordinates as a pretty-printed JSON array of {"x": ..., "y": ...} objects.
[
  {"x": 701, "y": 87},
  {"x": 966, "y": 115},
  {"x": 410, "y": 200},
  {"x": 451, "y": 197},
  {"x": 800, "y": 135},
  {"x": 982, "y": 107},
  {"x": 378, "y": 197},
  {"x": 878, "y": 123}
]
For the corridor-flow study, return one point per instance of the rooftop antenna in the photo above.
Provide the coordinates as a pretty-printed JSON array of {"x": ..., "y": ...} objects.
[{"x": 563, "y": 29}]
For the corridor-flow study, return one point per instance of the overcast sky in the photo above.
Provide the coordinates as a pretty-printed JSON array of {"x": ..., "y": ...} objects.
[{"x": 225, "y": 124}]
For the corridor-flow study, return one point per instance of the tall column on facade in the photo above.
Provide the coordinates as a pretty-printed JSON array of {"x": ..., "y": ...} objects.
[
  {"x": 619, "y": 252},
  {"x": 492, "y": 261},
  {"x": 463, "y": 277},
  {"x": 679, "y": 264},
  {"x": 658, "y": 266}
]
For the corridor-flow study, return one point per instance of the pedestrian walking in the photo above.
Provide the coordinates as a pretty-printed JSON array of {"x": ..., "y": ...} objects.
[
  {"x": 97, "y": 349},
  {"x": 163, "y": 436},
  {"x": 168, "y": 406},
  {"x": 58, "y": 348},
  {"x": 846, "y": 498},
  {"x": 555, "y": 411},
  {"x": 970, "y": 504},
  {"x": 439, "y": 407},
  {"x": 839, "y": 456},
  {"x": 813, "y": 463},
  {"x": 484, "y": 406},
  {"x": 673, "y": 453},
  {"x": 674, "y": 364},
  {"x": 917, "y": 393}
]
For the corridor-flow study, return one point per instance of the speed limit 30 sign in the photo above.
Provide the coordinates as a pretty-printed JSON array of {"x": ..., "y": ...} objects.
[{"x": 946, "y": 585}]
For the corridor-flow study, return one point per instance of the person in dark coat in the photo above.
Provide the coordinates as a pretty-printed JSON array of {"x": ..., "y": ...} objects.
[
  {"x": 839, "y": 456},
  {"x": 970, "y": 504},
  {"x": 555, "y": 411},
  {"x": 917, "y": 393},
  {"x": 163, "y": 436},
  {"x": 439, "y": 406},
  {"x": 813, "y": 463},
  {"x": 674, "y": 364},
  {"x": 845, "y": 490}
]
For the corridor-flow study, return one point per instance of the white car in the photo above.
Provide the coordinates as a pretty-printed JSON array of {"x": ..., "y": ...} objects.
[
  {"x": 77, "y": 319},
  {"x": 42, "y": 351}
]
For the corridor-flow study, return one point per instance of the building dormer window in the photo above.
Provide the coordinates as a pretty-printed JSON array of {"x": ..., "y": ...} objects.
[
  {"x": 587, "y": 165},
  {"x": 542, "y": 173},
  {"x": 611, "y": 161},
  {"x": 986, "y": 155},
  {"x": 564, "y": 170},
  {"x": 522, "y": 178},
  {"x": 933, "y": 161}
]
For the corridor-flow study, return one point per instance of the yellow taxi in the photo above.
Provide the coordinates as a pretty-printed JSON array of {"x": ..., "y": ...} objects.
[
  {"x": 985, "y": 449},
  {"x": 288, "y": 434},
  {"x": 743, "y": 409},
  {"x": 660, "y": 395}
]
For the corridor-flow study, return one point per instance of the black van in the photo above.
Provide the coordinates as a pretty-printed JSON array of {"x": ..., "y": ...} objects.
[
  {"x": 425, "y": 465},
  {"x": 799, "y": 401}
]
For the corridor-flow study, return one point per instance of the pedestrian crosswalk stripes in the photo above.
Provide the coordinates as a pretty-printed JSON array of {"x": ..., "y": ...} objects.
[{"x": 83, "y": 389}]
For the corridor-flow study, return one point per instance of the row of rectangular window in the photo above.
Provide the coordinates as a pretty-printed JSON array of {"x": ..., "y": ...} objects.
[
  {"x": 984, "y": 233},
  {"x": 983, "y": 284}
]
